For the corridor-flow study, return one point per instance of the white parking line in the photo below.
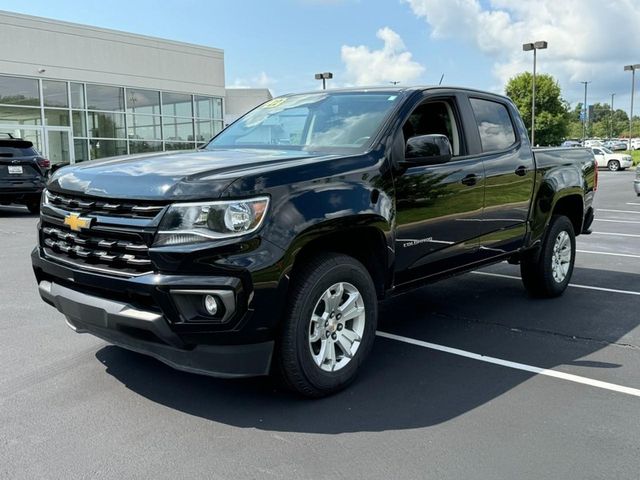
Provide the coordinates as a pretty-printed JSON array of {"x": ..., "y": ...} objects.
[
  {"x": 591, "y": 252},
  {"x": 518, "y": 366},
  {"x": 616, "y": 234},
  {"x": 613, "y": 221},
  {"x": 617, "y": 211},
  {"x": 586, "y": 287}
]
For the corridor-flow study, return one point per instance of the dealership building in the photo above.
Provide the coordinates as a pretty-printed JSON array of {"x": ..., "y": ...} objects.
[{"x": 80, "y": 92}]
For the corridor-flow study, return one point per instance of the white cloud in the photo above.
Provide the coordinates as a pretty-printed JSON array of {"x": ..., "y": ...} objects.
[
  {"x": 392, "y": 63},
  {"x": 262, "y": 80},
  {"x": 588, "y": 39}
]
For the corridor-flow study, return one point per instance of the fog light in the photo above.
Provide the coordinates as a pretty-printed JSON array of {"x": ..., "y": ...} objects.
[{"x": 210, "y": 304}]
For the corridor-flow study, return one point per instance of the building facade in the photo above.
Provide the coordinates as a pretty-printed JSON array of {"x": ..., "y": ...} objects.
[{"x": 81, "y": 93}]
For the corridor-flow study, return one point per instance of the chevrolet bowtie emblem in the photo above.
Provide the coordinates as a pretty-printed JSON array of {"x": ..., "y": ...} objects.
[{"x": 77, "y": 223}]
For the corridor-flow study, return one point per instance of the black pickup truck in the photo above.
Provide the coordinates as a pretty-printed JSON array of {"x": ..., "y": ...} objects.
[{"x": 269, "y": 249}]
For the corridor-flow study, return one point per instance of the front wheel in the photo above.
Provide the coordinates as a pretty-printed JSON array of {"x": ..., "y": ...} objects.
[
  {"x": 330, "y": 325},
  {"x": 613, "y": 165},
  {"x": 549, "y": 274}
]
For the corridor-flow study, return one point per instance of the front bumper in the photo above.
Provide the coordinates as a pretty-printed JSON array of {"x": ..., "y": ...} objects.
[
  {"x": 148, "y": 332},
  {"x": 626, "y": 163}
]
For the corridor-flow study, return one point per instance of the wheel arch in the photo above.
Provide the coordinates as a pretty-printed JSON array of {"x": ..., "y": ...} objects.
[
  {"x": 570, "y": 205},
  {"x": 367, "y": 243}
]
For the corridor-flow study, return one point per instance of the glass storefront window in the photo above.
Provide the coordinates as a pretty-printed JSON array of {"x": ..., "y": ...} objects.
[
  {"x": 178, "y": 129},
  {"x": 136, "y": 146},
  {"x": 176, "y": 104},
  {"x": 143, "y": 127},
  {"x": 32, "y": 134},
  {"x": 143, "y": 101},
  {"x": 106, "y": 125},
  {"x": 54, "y": 93},
  {"x": 81, "y": 150},
  {"x": 19, "y": 116},
  {"x": 79, "y": 123},
  {"x": 103, "y": 97},
  {"x": 19, "y": 91},
  {"x": 101, "y": 148},
  {"x": 96, "y": 113},
  {"x": 77, "y": 95},
  {"x": 204, "y": 106},
  {"x": 59, "y": 118},
  {"x": 204, "y": 130},
  {"x": 179, "y": 146}
]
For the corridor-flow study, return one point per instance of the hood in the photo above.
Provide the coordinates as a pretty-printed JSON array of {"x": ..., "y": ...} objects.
[{"x": 172, "y": 175}]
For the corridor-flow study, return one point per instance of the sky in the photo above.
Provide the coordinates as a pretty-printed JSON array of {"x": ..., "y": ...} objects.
[{"x": 281, "y": 44}]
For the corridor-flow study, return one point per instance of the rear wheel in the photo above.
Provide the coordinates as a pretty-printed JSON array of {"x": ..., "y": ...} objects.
[
  {"x": 330, "y": 325},
  {"x": 613, "y": 165},
  {"x": 549, "y": 273}
]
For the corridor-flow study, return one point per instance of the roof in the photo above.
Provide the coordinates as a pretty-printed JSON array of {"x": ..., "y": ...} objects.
[{"x": 396, "y": 89}]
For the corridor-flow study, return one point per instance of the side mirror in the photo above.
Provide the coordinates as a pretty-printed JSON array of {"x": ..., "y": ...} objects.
[{"x": 427, "y": 150}]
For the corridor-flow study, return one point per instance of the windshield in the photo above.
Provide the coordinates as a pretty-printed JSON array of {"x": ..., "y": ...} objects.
[
  {"x": 341, "y": 122},
  {"x": 606, "y": 150}
]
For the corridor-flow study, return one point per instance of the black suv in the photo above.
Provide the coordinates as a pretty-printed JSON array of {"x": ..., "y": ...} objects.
[{"x": 23, "y": 172}]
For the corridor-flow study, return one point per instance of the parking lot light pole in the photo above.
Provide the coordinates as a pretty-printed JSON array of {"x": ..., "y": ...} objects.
[
  {"x": 324, "y": 77},
  {"x": 586, "y": 112},
  {"x": 528, "y": 47},
  {"x": 611, "y": 117},
  {"x": 633, "y": 69}
]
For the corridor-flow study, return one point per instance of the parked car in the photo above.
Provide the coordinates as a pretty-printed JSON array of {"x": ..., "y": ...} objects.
[
  {"x": 269, "y": 253},
  {"x": 612, "y": 161},
  {"x": 592, "y": 143},
  {"x": 615, "y": 145},
  {"x": 571, "y": 144},
  {"x": 635, "y": 144},
  {"x": 22, "y": 173}
]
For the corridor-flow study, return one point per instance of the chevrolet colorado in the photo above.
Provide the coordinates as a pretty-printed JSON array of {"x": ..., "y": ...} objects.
[{"x": 268, "y": 249}]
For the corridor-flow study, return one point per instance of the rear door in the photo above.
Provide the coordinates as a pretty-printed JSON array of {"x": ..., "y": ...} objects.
[{"x": 509, "y": 174}]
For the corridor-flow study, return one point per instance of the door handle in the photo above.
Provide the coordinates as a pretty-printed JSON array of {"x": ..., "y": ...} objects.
[
  {"x": 470, "y": 179},
  {"x": 521, "y": 171}
]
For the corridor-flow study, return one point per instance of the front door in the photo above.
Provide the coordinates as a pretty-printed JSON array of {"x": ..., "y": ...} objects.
[
  {"x": 439, "y": 207},
  {"x": 59, "y": 146},
  {"x": 600, "y": 158}
]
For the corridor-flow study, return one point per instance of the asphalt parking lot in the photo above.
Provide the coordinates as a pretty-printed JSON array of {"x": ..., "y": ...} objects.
[{"x": 469, "y": 378}]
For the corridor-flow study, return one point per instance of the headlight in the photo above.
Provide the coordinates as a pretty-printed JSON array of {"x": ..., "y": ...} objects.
[{"x": 199, "y": 222}]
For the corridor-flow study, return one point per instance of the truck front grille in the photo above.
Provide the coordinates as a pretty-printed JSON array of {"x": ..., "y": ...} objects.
[
  {"x": 118, "y": 208},
  {"x": 114, "y": 253}
]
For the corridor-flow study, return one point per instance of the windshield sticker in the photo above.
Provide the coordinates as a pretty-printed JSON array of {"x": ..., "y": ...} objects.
[
  {"x": 392, "y": 98},
  {"x": 274, "y": 103}
]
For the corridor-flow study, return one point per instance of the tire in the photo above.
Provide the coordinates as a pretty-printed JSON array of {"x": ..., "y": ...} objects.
[
  {"x": 304, "y": 359},
  {"x": 541, "y": 275},
  {"x": 613, "y": 165},
  {"x": 34, "y": 207}
]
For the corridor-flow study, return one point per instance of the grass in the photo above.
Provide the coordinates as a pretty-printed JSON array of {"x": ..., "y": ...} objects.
[{"x": 635, "y": 154}]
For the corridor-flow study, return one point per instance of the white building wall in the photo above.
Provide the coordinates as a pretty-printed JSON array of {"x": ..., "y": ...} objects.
[
  {"x": 240, "y": 100},
  {"x": 69, "y": 51}
]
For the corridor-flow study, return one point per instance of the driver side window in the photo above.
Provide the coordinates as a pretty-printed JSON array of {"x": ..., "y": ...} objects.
[{"x": 433, "y": 117}]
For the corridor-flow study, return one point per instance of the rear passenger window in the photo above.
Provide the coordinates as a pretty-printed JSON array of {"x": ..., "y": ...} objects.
[{"x": 494, "y": 124}]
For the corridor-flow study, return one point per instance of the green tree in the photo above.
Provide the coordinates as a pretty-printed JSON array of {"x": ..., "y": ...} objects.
[{"x": 552, "y": 112}]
